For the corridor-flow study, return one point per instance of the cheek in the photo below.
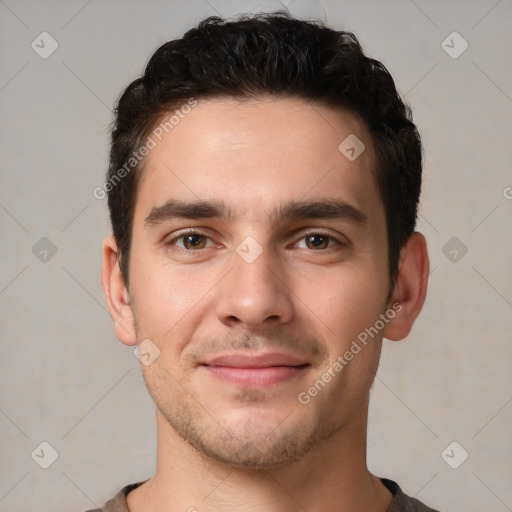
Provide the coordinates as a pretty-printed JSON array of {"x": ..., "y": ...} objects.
[
  {"x": 343, "y": 301},
  {"x": 350, "y": 305},
  {"x": 167, "y": 300}
]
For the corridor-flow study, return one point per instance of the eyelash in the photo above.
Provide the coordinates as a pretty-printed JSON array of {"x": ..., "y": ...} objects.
[{"x": 183, "y": 234}]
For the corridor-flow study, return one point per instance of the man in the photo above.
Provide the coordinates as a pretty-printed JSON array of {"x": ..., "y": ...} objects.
[{"x": 263, "y": 188}]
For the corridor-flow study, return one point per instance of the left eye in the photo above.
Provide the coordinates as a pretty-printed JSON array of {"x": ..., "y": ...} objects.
[
  {"x": 190, "y": 241},
  {"x": 316, "y": 241}
]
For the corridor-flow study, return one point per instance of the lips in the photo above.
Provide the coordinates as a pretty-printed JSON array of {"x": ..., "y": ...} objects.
[{"x": 255, "y": 371}]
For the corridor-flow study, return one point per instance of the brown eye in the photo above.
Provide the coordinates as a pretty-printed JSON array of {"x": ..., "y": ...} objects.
[
  {"x": 193, "y": 241},
  {"x": 190, "y": 241},
  {"x": 317, "y": 241}
]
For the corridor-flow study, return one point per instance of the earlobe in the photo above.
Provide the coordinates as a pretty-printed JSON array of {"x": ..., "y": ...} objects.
[
  {"x": 410, "y": 288},
  {"x": 116, "y": 293}
]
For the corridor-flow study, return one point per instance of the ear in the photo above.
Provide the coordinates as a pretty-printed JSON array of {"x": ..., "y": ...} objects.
[
  {"x": 118, "y": 297},
  {"x": 410, "y": 287}
]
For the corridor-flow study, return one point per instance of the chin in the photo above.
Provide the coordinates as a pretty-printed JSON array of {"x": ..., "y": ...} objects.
[{"x": 253, "y": 439}]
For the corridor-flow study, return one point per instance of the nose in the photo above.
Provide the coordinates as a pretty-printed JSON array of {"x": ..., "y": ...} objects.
[{"x": 255, "y": 294}]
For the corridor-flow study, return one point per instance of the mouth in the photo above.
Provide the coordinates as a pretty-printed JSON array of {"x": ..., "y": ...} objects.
[{"x": 255, "y": 371}]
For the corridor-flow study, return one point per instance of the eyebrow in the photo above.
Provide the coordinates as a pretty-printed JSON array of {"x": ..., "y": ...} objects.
[{"x": 319, "y": 209}]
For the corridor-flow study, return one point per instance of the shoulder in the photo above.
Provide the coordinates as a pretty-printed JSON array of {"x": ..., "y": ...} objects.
[
  {"x": 403, "y": 503},
  {"x": 118, "y": 502}
]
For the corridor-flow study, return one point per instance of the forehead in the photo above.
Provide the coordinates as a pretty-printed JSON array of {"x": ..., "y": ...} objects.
[{"x": 254, "y": 154}]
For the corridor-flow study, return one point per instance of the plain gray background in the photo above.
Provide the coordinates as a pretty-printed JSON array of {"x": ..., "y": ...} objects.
[{"x": 65, "y": 379}]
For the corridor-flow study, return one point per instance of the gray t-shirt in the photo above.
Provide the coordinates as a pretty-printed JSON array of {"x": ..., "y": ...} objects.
[{"x": 399, "y": 503}]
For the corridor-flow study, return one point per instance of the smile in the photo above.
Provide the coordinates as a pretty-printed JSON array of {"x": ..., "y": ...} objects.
[{"x": 255, "y": 371}]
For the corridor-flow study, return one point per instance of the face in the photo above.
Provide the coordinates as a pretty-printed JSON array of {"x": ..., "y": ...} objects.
[{"x": 259, "y": 254}]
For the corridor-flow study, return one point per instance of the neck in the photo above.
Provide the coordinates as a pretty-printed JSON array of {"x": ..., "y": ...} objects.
[{"x": 332, "y": 476}]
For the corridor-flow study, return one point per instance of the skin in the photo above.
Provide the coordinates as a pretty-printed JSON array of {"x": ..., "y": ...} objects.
[{"x": 223, "y": 446}]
